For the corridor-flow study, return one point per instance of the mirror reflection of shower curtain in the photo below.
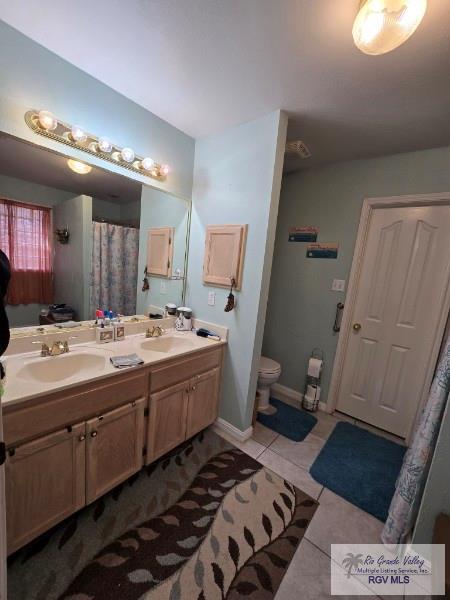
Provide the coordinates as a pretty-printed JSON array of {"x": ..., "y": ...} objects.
[{"x": 115, "y": 252}]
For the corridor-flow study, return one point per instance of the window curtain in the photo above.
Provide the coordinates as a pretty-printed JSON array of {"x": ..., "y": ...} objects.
[
  {"x": 25, "y": 237},
  {"x": 115, "y": 252},
  {"x": 416, "y": 463}
]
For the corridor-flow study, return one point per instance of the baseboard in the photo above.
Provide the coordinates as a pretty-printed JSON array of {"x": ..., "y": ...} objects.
[
  {"x": 225, "y": 426},
  {"x": 287, "y": 394},
  {"x": 282, "y": 392}
]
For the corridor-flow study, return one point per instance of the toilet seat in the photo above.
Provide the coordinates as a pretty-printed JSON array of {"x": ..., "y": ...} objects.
[{"x": 267, "y": 366}]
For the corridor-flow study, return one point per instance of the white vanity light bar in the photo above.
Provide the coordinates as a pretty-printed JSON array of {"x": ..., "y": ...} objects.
[{"x": 45, "y": 123}]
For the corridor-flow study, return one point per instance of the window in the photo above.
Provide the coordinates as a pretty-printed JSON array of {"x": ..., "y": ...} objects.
[{"x": 25, "y": 239}]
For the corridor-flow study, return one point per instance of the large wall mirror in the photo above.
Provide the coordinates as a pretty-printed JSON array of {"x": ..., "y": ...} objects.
[{"x": 81, "y": 242}]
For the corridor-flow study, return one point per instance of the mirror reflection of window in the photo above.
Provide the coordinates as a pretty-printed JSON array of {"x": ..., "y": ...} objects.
[{"x": 25, "y": 238}]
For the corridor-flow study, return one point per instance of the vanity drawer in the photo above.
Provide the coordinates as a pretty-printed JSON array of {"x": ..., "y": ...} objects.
[
  {"x": 60, "y": 409},
  {"x": 181, "y": 370}
]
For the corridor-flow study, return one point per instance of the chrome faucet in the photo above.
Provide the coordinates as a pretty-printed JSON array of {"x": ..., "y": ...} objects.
[
  {"x": 56, "y": 348},
  {"x": 156, "y": 331}
]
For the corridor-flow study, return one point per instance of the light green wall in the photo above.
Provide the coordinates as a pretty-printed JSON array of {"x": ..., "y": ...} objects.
[
  {"x": 159, "y": 209},
  {"x": 237, "y": 178},
  {"x": 27, "y": 191},
  {"x": 33, "y": 77},
  {"x": 128, "y": 213},
  {"x": 72, "y": 262},
  {"x": 301, "y": 306}
]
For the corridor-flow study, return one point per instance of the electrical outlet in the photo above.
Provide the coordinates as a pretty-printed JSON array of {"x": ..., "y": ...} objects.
[
  {"x": 162, "y": 288},
  {"x": 338, "y": 285},
  {"x": 211, "y": 298}
]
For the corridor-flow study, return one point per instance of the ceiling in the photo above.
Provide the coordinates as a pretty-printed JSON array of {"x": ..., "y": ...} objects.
[
  {"x": 38, "y": 165},
  {"x": 205, "y": 65}
]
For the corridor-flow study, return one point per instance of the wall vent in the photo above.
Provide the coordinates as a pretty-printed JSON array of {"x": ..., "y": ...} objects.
[{"x": 298, "y": 147}]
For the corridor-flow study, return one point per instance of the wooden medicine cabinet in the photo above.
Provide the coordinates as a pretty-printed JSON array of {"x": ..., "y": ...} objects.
[
  {"x": 160, "y": 251},
  {"x": 224, "y": 255}
]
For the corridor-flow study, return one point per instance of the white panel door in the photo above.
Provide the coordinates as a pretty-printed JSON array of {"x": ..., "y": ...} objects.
[{"x": 403, "y": 278}]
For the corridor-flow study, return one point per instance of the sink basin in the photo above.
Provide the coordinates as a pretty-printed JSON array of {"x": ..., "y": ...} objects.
[
  {"x": 167, "y": 344},
  {"x": 65, "y": 366}
]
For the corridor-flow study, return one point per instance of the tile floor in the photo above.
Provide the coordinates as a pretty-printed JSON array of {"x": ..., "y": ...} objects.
[{"x": 335, "y": 521}]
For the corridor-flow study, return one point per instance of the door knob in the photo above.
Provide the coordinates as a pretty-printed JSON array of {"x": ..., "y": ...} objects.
[{"x": 356, "y": 326}]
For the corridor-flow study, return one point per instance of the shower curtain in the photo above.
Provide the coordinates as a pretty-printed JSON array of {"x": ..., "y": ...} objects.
[
  {"x": 114, "y": 268},
  {"x": 416, "y": 463}
]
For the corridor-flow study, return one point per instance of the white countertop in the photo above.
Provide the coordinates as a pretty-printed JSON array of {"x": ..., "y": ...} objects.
[{"x": 25, "y": 380}]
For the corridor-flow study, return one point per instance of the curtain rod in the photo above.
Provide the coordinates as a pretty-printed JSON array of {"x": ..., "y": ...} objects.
[{"x": 112, "y": 222}]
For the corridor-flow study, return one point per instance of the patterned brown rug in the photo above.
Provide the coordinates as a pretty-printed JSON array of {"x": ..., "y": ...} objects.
[{"x": 205, "y": 522}]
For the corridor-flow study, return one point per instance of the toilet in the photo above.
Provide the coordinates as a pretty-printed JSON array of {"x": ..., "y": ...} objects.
[{"x": 268, "y": 373}]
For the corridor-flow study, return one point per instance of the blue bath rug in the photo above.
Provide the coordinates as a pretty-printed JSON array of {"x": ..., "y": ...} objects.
[
  {"x": 361, "y": 467},
  {"x": 291, "y": 422}
]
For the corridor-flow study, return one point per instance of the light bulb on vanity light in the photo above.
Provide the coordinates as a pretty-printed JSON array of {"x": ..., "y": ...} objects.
[
  {"x": 383, "y": 25},
  {"x": 147, "y": 163},
  {"x": 104, "y": 145},
  {"x": 79, "y": 167},
  {"x": 165, "y": 169},
  {"x": 47, "y": 120},
  {"x": 127, "y": 155},
  {"x": 78, "y": 134}
]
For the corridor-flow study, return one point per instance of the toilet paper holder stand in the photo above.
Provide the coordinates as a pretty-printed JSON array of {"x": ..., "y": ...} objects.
[{"x": 311, "y": 395}]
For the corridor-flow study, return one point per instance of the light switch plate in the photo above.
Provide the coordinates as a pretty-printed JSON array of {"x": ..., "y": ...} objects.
[
  {"x": 162, "y": 288},
  {"x": 211, "y": 298},
  {"x": 338, "y": 285}
]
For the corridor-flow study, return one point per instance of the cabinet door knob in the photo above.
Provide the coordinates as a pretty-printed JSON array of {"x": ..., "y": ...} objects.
[
  {"x": 356, "y": 326},
  {"x": 194, "y": 387},
  {"x": 82, "y": 437},
  {"x": 94, "y": 434}
]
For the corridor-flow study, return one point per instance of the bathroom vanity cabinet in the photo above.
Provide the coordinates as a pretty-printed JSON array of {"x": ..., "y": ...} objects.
[
  {"x": 184, "y": 397},
  {"x": 68, "y": 448}
]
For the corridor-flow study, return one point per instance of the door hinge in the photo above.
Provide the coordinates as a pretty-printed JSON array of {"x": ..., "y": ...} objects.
[
  {"x": 2, "y": 452},
  {"x": 146, "y": 412},
  {"x": 144, "y": 451},
  {"x": 168, "y": 264}
]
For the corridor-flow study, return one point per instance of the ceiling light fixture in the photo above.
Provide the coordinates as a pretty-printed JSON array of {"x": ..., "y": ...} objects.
[
  {"x": 79, "y": 167},
  {"x": 45, "y": 123},
  {"x": 383, "y": 25}
]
